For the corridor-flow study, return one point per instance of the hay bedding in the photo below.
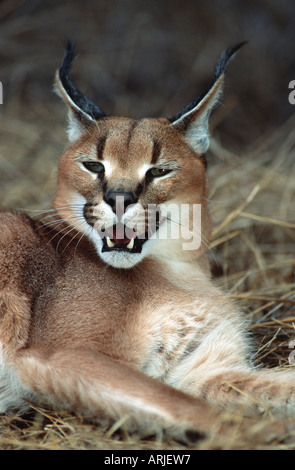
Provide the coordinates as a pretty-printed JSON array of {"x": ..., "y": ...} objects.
[{"x": 252, "y": 256}]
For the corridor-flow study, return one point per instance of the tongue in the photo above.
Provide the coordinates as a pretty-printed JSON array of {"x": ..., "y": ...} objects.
[
  {"x": 119, "y": 236},
  {"x": 121, "y": 241}
]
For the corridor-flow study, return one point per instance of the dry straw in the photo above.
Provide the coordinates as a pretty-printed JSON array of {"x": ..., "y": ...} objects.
[
  {"x": 252, "y": 251},
  {"x": 252, "y": 255}
]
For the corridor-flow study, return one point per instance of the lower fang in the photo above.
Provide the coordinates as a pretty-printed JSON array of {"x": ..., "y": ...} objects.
[
  {"x": 110, "y": 243},
  {"x": 130, "y": 244}
]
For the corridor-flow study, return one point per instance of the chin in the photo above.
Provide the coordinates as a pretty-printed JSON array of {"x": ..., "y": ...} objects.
[{"x": 121, "y": 259}]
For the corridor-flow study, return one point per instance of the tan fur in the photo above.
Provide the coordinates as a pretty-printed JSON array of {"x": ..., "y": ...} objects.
[{"x": 154, "y": 340}]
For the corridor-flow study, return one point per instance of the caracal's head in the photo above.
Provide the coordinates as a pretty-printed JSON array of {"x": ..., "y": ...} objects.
[{"x": 136, "y": 188}]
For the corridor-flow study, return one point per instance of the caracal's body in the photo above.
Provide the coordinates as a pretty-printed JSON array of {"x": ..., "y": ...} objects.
[{"x": 106, "y": 306}]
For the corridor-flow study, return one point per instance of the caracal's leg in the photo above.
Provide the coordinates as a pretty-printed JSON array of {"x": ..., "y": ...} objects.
[
  {"x": 97, "y": 387},
  {"x": 219, "y": 373}
]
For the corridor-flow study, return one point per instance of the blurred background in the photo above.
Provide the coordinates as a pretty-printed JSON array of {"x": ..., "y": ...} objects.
[
  {"x": 135, "y": 58},
  {"x": 149, "y": 59},
  {"x": 143, "y": 58}
]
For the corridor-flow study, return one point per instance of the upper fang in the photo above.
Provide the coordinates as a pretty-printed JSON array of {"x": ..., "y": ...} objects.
[
  {"x": 110, "y": 243},
  {"x": 130, "y": 244}
]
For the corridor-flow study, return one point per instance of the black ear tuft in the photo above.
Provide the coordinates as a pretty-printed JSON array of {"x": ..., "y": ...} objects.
[
  {"x": 81, "y": 101},
  {"x": 225, "y": 59},
  {"x": 220, "y": 69},
  {"x": 67, "y": 61}
]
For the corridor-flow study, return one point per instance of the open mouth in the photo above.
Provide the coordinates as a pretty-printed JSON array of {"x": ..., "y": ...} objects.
[{"x": 116, "y": 238}]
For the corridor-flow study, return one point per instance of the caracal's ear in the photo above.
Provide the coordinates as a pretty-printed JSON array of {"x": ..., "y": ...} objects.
[
  {"x": 82, "y": 112},
  {"x": 192, "y": 121}
]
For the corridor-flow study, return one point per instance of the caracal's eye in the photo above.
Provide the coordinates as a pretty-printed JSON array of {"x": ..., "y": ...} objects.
[
  {"x": 158, "y": 172},
  {"x": 94, "y": 167}
]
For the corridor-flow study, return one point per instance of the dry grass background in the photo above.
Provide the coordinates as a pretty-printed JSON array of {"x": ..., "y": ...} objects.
[{"x": 149, "y": 59}]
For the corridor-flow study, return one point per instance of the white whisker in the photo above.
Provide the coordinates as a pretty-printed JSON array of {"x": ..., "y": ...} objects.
[
  {"x": 66, "y": 234},
  {"x": 82, "y": 236},
  {"x": 193, "y": 234}
]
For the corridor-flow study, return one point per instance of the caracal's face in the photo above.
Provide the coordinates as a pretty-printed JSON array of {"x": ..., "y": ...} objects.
[{"x": 135, "y": 189}]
